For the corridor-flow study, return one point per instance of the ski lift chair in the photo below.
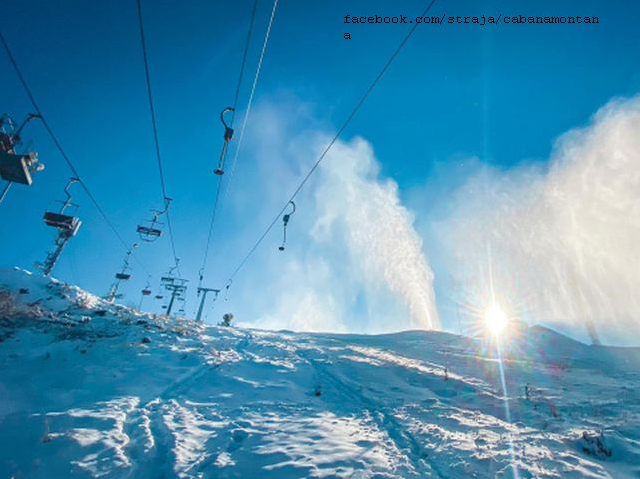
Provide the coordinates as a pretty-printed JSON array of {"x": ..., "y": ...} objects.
[
  {"x": 17, "y": 168},
  {"x": 67, "y": 223},
  {"x": 123, "y": 276},
  {"x": 228, "y": 135},
  {"x": 146, "y": 292},
  {"x": 62, "y": 221},
  {"x": 285, "y": 221},
  {"x": 152, "y": 232},
  {"x": 148, "y": 233}
]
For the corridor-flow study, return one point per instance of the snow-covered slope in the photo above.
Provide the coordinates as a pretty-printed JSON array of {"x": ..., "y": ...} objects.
[{"x": 89, "y": 389}]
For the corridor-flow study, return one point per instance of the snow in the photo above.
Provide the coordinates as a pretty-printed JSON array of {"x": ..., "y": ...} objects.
[{"x": 82, "y": 395}]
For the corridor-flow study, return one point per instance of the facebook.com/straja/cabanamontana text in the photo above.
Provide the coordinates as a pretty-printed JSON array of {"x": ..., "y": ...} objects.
[{"x": 473, "y": 20}]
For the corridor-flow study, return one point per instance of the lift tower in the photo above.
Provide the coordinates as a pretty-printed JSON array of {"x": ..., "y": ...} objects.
[{"x": 204, "y": 292}]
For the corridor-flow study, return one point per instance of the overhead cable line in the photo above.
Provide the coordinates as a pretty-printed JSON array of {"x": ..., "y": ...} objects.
[
  {"x": 155, "y": 130},
  {"x": 244, "y": 59},
  {"x": 251, "y": 95},
  {"x": 58, "y": 146},
  {"x": 233, "y": 114},
  {"x": 330, "y": 145},
  {"x": 235, "y": 105}
]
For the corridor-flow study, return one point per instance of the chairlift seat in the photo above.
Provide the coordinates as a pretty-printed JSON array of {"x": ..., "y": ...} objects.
[
  {"x": 159, "y": 296},
  {"x": 148, "y": 233},
  {"x": 123, "y": 276},
  {"x": 15, "y": 168},
  {"x": 146, "y": 292},
  {"x": 58, "y": 220}
]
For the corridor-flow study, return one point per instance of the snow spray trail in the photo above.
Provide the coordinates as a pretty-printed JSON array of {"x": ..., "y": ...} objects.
[
  {"x": 563, "y": 240},
  {"x": 377, "y": 228}
]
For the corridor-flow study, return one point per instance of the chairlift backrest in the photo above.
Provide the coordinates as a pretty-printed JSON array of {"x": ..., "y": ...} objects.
[
  {"x": 148, "y": 233},
  {"x": 17, "y": 168},
  {"x": 58, "y": 220}
]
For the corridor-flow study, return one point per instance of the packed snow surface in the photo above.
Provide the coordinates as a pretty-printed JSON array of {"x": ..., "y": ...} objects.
[{"x": 91, "y": 389}]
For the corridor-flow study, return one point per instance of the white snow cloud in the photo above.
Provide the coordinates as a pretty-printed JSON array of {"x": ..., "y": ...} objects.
[
  {"x": 561, "y": 239},
  {"x": 353, "y": 262},
  {"x": 564, "y": 241}
]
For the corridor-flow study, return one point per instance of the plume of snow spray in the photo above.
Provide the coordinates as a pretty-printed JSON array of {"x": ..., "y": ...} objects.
[
  {"x": 566, "y": 241},
  {"x": 353, "y": 260},
  {"x": 376, "y": 228}
]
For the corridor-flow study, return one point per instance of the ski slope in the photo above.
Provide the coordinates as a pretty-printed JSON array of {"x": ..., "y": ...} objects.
[{"x": 90, "y": 389}]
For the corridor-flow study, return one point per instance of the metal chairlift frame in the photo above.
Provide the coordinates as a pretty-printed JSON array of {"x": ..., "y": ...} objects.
[
  {"x": 59, "y": 219},
  {"x": 67, "y": 226},
  {"x": 228, "y": 135},
  {"x": 15, "y": 167},
  {"x": 285, "y": 221},
  {"x": 122, "y": 275},
  {"x": 151, "y": 233}
]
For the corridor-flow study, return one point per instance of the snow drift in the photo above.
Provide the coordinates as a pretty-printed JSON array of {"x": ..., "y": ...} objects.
[{"x": 90, "y": 389}]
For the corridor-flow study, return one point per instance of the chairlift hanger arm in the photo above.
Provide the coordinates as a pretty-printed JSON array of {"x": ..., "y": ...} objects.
[
  {"x": 228, "y": 135},
  {"x": 285, "y": 221},
  {"x": 287, "y": 216},
  {"x": 228, "y": 131},
  {"x": 67, "y": 202},
  {"x": 30, "y": 116},
  {"x": 167, "y": 203}
]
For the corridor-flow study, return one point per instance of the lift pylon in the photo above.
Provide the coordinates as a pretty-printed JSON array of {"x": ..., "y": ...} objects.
[
  {"x": 176, "y": 286},
  {"x": 204, "y": 292},
  {"x": 178, "y": 289}
]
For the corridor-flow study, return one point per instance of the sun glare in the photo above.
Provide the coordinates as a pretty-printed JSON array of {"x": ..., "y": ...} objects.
[{"x": 495, "y": 320}]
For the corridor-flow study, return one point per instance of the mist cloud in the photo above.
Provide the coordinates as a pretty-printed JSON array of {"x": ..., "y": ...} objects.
[
  {"x": 563, "y": 241},
  {"x": 354, "y": 261}
]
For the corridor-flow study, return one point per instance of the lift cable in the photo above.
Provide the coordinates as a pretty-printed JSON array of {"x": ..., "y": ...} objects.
[
  {"x": 329, "y": 146},
  {"x": 155, "y": 128},
  {"x": 58, "y": 145},
  {"x": 235, "y": 104},
  {"x": 251, "y": 95},
  {"x": 244, "y": 59}
]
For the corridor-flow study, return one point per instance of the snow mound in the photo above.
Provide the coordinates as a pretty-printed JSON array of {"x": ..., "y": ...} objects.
[{"x": 92, "y": 389}]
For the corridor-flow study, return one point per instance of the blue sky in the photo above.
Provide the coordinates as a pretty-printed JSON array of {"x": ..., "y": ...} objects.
[{"x": 501, "y": 94}]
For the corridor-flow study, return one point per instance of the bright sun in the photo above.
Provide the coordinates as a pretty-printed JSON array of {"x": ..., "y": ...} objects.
[{"x": 495, "y": 320}]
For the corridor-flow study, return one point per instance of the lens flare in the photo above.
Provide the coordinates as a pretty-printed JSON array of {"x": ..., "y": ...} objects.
[{"x": 495, "y": 320}]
